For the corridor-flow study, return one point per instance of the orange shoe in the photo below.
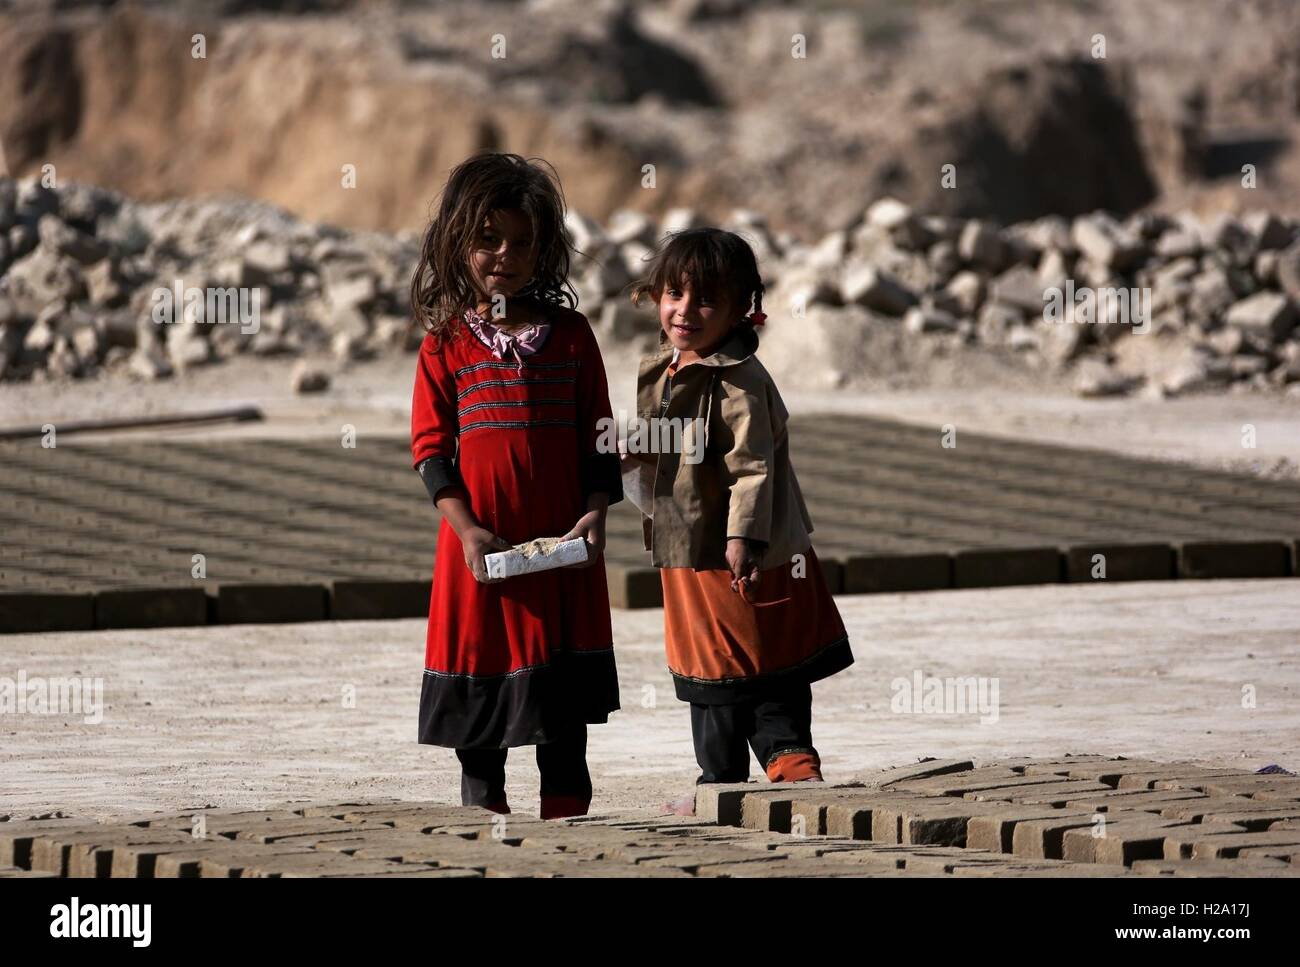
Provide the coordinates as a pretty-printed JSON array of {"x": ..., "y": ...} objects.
[{"x": 795, "y": 767}]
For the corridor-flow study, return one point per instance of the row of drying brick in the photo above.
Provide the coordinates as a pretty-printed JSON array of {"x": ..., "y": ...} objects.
[
  {"x": 1081, "y": 809},
  {"x": 433, "y": 840},
  {"x": 395, "y": 839},
  {"x": 36, "y": 606},
  {"x": 1014, "y": 818}
]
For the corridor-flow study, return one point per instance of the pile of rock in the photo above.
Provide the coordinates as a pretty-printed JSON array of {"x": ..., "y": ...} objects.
[
  {"x": 84, "y": 271},
  {"x": 1168, "y": 304},
  {"x": 1177, "y": 304}
]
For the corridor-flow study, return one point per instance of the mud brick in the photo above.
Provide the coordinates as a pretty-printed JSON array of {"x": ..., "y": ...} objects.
[
  {"x": 271, "y": 603},
  {"x": 593, "y": 843},
  {"x": 810, "y": 808},
  {"x": 385, "y": 812},
  {"x": 919, "y": 770},
  {"x": 1126, "y": 840},
  {"x": 186, "y": 862},
  {"x": 314, "y": 864},
  {"x": 939, "y": 821},
  {"x": 1283, "y": 854},
  {"x": 769, "y": 807},
  {"x": 1042, "y": 838},
  {"x": 1198, "y": 846},
  {"x": 887, "y": 573},
  {"x": 791, "y": 869},
  {"x": 548, "y": 868},
  {"x": 271, "y": 832},
  {"x": 52, "y": 851},
  {"x": 488, "y": 824},
  {"x": 1020, "y": 763},
  {"x": 690, "y": 860},
  {"x": 879, "y": 858},
  {"x": 310, "y": 809},
  {"x": 1194, "y": 810},
  {"x": 408, "y": 871},
  {"x": 151, "y": 608},
  {"x": 371, "y": 600},
  {"x": 15, "y": 873},
  {"x": 347, "y": 842},
  {"x": 850, "y": 819},
  {"x": 981, "y": 780},
  {"x": 1254, "y": 867},
  {"x": 1109, "y": 771},
  {"x": 97, "y": 857},
  {"x": 1004, "y": 567},
  {"x": 1234, "y": 559},
  {"x": 1255, "y": 821},
  {"x": 1141, "y": 799},
  {"x": 945, "y": 865},
  {"x": 634, "y": 587},
  {"x": 1258, "y": 787},
  {"x": 993, "y": 831},
  {"x": 1124, "y": 562},
  {"x": 443, "y": 850},
  {"x": 31, "y": 611},
  {"x": 144, "y": 860},
  {"x": 232, "y": 861},
  {"x": 719, "y": 802},
  {"x": 16, "y": 837},
  {"x": 1047, "y": 793},
  {"x": 1070, "y": 871},
  {"x": 1286, "y": 793},
  {"x": 1163, "y": 778},
  {"x": 220, "y": 822},
  {"x": 632, "y": 853}
]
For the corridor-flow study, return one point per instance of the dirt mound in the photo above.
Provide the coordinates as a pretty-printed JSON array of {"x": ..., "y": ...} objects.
[{"x": 711, "y": 94}]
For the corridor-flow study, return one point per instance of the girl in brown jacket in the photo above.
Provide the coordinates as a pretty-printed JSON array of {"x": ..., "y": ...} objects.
[{"x": 749, "y": 622}]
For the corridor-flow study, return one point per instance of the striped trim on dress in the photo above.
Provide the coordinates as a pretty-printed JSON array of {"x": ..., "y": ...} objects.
[
  {"x": 507, "y": 364},
  {"x": 491, "y": 403},
  {"x": 484, "y": 384},
  {"x": 512, "y": 424}
]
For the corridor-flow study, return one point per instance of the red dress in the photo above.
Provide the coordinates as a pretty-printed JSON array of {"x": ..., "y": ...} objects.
[{"x": 516, "y": 662}]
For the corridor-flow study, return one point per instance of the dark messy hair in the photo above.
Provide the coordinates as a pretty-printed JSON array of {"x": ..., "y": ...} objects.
[
  {"x": 442, "y": 286},
  {"x": 714, "y": 261}
]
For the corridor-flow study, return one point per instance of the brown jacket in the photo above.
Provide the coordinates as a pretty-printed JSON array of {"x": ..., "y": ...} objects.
[{"x": 744, "y": 486}]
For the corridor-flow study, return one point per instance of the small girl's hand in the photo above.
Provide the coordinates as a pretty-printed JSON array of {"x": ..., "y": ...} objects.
[
  {"x": 591, "y": 528},
  {"x": 742, "y": 562},
  {"x": 477, "y": 542}
]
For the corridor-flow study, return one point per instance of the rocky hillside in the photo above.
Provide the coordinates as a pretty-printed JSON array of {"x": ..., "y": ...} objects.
[{"x": 801, "y": 111}]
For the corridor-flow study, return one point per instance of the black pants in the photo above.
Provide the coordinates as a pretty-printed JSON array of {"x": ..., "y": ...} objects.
[
  {"x": 562, "y": 764},
  {"x": 771, "y": 724}
]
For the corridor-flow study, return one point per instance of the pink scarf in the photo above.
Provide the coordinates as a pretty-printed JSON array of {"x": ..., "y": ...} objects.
[{"x": 522, "y": 343}]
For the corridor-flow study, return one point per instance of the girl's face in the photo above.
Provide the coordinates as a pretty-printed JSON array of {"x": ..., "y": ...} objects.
[
  {"x": 503, "y": 255},
  {"x": 695, "y": 322}
]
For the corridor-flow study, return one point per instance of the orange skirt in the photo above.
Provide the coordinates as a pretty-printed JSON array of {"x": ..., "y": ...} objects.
[{"x": 724, "y": 646}]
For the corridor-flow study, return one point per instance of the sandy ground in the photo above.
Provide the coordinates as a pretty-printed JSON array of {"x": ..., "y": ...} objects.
[
  {"x": 255, "y": 715},
  {"x": 375, "y": 397}
]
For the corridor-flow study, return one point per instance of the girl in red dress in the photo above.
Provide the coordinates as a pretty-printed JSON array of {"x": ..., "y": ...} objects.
[{"x": 509, "y": 390}]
